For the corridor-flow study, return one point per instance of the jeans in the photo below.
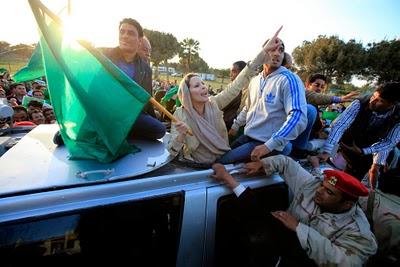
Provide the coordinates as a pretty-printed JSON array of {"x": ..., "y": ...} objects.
[
  {"x": 302, "y": 140},
  {"x": 242, "y": 147},
  {"x": 148, "y": 128},
  {"x": 241, "y": 150}
]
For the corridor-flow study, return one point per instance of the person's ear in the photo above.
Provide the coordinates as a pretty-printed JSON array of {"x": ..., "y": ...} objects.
[{"x": 347, "y": 205}]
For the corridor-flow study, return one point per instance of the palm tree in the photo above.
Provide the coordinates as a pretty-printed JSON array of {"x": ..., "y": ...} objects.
[{"x": 189, "y": 48}]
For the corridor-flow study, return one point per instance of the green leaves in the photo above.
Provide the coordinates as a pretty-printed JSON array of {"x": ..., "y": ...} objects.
[
  {"x": 164, "y": 46},
  {"x": 340, "y": 60},
  {"x": 189, "y": 51},
  {"x": 383, "y": 61}
]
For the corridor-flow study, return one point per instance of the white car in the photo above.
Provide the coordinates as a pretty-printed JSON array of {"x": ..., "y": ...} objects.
[{"x": 177, "y": 74}]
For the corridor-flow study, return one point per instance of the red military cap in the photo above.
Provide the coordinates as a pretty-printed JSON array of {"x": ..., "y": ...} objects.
[{"x": 345, "y": 183}]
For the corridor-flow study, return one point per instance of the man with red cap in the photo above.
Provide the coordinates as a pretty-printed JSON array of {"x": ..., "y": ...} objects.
[{"x": 323, "y": 224}]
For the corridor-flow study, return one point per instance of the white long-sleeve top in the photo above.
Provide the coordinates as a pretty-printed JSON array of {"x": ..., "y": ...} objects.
[{"x": 276, "y": 112}]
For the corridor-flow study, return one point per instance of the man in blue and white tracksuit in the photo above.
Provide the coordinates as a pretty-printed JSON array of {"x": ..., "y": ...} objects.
[{"x": 275, "y": 113}]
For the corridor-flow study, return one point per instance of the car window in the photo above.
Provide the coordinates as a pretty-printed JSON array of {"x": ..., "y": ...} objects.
[
  {"x": 145, "y": 232},
  {"x": 233, "y": 237}
]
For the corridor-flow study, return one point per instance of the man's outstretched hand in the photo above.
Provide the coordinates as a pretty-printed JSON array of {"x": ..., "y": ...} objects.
[
  {"x": 253, "y": 167},
  {"x": 287, "y": 219},
  {"x": 222, "y": 175}
]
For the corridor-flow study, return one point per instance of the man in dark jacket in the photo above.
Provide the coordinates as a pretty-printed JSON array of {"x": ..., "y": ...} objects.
[
  {"x": 235, "y": 106},
  {"x": 369, "y": 126},
  {"x": 126, "y": 57}
]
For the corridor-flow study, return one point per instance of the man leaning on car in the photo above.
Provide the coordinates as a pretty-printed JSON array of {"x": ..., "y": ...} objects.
[{"x": 323, "y": 224}]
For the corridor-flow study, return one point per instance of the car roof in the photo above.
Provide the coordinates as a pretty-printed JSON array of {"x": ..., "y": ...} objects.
[{"x": 36, "y": 164}]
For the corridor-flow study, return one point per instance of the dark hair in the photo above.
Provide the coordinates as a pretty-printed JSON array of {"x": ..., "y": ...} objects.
[
  {"x": 313, "y": 77},
  {"x": 285, "y": 60},
  {"x": 240, "y": 64},
  {"x": 20, "y": 108},
  {"x": 13, "y": 85},
  {"x": 34, "y": 103},
  {"x": 390, "y": 91},
  {"x": 44, "y": 110},
  {"x": 134, "y": 23}
]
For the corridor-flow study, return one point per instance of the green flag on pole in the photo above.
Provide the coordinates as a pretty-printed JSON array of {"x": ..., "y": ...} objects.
[
  {"x": 33, "y": 70},
  {"x": 168, "y": 96},
  {"x": 95, "y": 103}
]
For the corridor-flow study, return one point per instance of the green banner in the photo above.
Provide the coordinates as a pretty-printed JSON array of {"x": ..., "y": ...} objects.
[
  {"x": 33, "y": 70},
  {"x": 95, "y": 103}
]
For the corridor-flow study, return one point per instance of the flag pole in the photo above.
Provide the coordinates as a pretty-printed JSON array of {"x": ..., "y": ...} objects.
[
  {"x": 46, "y": 10},
  {"x": 166, "y": 112},
  {"x": 69, "y": 7}
]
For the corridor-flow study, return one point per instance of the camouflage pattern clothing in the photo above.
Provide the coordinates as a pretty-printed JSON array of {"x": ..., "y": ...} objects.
[
  {"x": 329, "y": 239},
  {"x": 386, "y": 222}
]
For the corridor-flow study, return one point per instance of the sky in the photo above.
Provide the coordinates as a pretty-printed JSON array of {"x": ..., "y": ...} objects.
[{"x": 228, "y": 31}]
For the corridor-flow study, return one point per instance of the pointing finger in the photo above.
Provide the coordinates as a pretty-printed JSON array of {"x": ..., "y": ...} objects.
[{"x": 277, "y": 32}]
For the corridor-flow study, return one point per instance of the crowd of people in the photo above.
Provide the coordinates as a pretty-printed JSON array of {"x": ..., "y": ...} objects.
[
  {"x": 260, "y": 118},
  {"x": 29, "y": 100},
  {"x": 278, "y": 114}
]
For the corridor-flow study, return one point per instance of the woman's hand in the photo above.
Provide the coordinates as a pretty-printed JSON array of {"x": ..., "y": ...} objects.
[{"x": 181, "y": 127}]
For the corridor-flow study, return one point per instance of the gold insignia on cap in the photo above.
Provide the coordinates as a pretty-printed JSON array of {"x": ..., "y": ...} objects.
[{"x": 332, "y": 180}]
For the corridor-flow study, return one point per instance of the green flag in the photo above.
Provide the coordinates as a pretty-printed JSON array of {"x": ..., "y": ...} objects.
[
  {"x": 33, "y": 70},
  {"x": 95, "y": 103},
  {"x": 173, "y": 91}
]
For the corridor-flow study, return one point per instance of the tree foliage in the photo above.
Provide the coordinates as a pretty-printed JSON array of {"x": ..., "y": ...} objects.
[
  {"x": 22, "y": 50},
  {"x": 198, "y": 64},
  {"x": 383, "y": 61},
  {"x": 4, "y": 46},
  {"x": 19, "y": 52},
  {"x": 164, "y": 46},
  {"x": 330, "y": 56},
  {"x": 222, "y": 73},
  {"x": 189, "y": 52}
]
